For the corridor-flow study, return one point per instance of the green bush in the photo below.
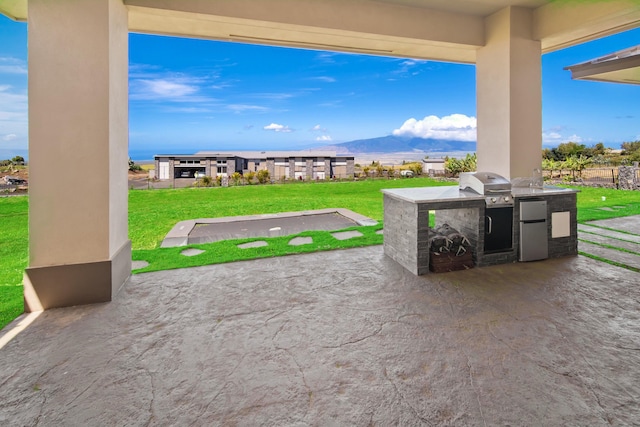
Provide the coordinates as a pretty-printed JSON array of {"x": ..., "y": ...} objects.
[{"x": 457, "y": 166}]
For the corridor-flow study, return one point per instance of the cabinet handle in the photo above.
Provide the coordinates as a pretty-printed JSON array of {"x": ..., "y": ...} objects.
[{"x": 490, "y": 224}]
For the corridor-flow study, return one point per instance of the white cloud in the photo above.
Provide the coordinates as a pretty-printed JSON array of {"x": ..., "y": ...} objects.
[
  {"x": 407, "y": 67},
  {"x": 457, "y": 127},
  {"x": 13, "y": 116},
  {"x": 272, "y": 96},
  {"x": 550, "y": 137},
  {"x": 554, "y": 138},
  {"x": 318, "y": 128},
  {"x": 150, "y": 89},
  {"x": 324, "y": 138},
  {"x": 277, "y": 128},
  {"x": 241, "y": 108},
  {"x": 149, "y": 84},
  {"x": 325, "y": 79},
  {"x": 12, "y": 66}
]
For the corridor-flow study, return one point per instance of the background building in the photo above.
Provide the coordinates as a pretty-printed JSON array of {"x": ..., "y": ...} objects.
[{"x": 280, "y": 164}]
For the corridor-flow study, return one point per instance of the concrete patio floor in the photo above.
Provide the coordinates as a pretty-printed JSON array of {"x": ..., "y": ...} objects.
[{"x": 337, "y": 338}]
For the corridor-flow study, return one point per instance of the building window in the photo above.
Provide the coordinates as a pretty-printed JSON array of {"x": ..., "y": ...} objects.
[{"x": 222, "y": 170}]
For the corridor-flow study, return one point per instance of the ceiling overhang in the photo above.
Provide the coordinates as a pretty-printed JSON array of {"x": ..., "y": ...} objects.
[
  {"x": 618, "y": 67},
  {"x": 426, "y": 29}
]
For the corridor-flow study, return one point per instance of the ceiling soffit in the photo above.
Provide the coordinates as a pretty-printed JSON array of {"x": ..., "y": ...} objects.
[{"x": 431, "y": 29}]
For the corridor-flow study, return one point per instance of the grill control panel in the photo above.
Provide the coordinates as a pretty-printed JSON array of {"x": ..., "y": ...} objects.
[{"x": 499, "y": 201}]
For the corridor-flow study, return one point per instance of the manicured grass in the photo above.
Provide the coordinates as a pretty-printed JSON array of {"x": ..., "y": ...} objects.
[
  {"x": 13, "y": 255},
  {"x": 228, "y": 250},
  {"x": 621, "y": 203},
  {"x": 152, "y": 213}
]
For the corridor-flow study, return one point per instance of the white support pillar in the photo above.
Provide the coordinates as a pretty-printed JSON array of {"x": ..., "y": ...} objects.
[
  {"x": 79, "y": 252},
  {"x": 509, "y": 100}
]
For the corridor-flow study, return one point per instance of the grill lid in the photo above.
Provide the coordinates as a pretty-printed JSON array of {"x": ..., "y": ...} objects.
[{"x": 485, "y": 183}]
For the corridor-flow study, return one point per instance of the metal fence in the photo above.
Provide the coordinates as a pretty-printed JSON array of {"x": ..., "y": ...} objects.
[{"x": 603, "y": 175}]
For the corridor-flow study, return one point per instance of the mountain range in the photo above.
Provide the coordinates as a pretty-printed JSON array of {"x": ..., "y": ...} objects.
[{"x": 393, "y": 144}]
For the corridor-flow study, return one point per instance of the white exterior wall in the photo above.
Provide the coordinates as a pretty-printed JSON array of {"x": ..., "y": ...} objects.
[
  {"x": 78, "y": 97},
  {"x": 509, "y": 96}
]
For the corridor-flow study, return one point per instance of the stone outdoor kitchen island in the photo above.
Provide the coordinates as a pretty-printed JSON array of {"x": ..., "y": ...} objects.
[{"x": 406, "y": 223}]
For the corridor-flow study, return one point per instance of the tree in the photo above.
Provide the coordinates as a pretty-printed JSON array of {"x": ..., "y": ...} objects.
[
  {"x": 133, "y": 167},
  {"x": 550, "y": 164},
  {"x": 18, "y": 160},
  {"x": 595, "y": 150},
  {"x": 415, "y": 167},
  {"x": 568, "y": 149},
  {"x": 577, "y": 163},
  {"x": 630, "y": 147},
  {"x": 456, "y": 166}
]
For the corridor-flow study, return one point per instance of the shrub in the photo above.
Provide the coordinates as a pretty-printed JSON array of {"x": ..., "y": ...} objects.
[
  {"x": 457, "y": 166},
  {"x": 236, "y": 177},
  {"x": 263, "y": 176}
]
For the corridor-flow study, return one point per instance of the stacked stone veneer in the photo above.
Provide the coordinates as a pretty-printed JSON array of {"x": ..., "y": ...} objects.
[
  {"x": 628, "y": 177},
  {"x": 470, "y": 222},
  {"x": 406, "y": 229},
  {"x": 406, "y": 225}
]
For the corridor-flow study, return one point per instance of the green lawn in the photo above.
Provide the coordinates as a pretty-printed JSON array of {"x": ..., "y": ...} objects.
[
  {"x": 14, "y": 255},
  {"x": 152, "y": 213},
  {"x": 590, "y": 203}
]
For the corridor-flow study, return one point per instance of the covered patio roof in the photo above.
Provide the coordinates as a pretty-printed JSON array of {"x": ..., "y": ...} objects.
[
  {"x": 618, "y": 67},
  {"x": 429, "y": 29}
]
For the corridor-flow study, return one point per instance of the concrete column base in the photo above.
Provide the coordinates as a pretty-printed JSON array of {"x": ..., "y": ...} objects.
[{"x": 76, "y": 284}]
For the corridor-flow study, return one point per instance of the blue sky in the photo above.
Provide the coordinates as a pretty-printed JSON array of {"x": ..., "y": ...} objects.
[{"x": 188, "y": 95}]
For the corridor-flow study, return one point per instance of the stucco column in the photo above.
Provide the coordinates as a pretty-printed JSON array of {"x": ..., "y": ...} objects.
[
  {"x": 509, "y": 100},
  {"x": 79, "y": 251}
]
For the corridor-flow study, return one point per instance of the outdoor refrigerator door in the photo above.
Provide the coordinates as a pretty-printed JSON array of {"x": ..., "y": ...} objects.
[{"x": 533, "y": 241}]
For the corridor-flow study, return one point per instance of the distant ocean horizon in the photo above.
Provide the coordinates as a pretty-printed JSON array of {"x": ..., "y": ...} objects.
[{"x": 147, "y": 155}]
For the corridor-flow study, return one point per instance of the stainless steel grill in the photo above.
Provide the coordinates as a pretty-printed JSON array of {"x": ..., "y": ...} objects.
[
  {"x": 498, "y": 217},
  {"x": 496, "y": 188}
]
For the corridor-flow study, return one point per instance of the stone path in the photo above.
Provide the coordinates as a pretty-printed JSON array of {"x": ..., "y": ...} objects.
[{"x": 615, "y": 239}]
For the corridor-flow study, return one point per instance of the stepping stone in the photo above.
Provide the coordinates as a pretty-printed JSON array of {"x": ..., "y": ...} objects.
[
  {"x": 624, "y": 258},
  {"x": 297, "y": 241},
  {"x": 606, "y": 208},
  {"x": 380, "y": 232},
  {"x": 137, "y": 265},
  {"x": 256, "y": 244},
  {"x": 191, "y": 252},
  {"x": 345, "y": 235}
]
